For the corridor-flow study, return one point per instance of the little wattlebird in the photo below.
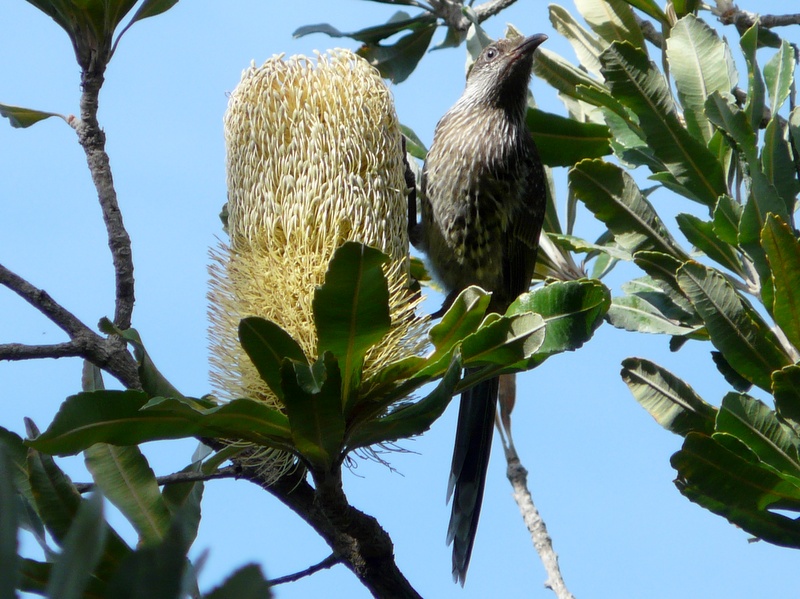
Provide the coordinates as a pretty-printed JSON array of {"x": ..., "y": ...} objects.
[{"x": 483, "y": 203}]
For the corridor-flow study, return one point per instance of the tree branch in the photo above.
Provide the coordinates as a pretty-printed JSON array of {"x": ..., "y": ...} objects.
[
  {"x": 93, "y": 141},
  {"x": 109, "y": 354},
  {"x": 355, "y": 538},
  {"x": 18, "y": 351},
  {"x": 452, "y": 11}
]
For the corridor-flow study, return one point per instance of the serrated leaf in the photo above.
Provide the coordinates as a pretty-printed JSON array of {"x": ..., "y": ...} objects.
[
  {"x": 567, "y": 78},
  {"x": 777, "y": 163},
  {"x": 562, "y": 141},
  {"x": 81, "y": 551},
  {"x": 729, "y": 485},
  {"x": 779, "y": 75},
  {"x": 125, "y": 478},
  {"x": 668, "y": 399},
  {"x": 702, "y": 236},
  {"x": 700, "y": 63},
  {"x": 462, "y": 318},
  {"x": 632, "y": 313},
  {"x": 504, "y": 340},
  {"x": 268, "y": 345},
  {"x": 637, "y": 83},
  {"x": 758, "y": 427},
  {"x": 21, "y": 118},
  {"x": 587, "y": 47},
  {"x": 400, "y": 21},
  {"x": 735, "y": 329},
  {"x": 315, "y": 418},
  {"x": 613, "y": 197},
  {"x": 351, "y": 309},
  {"x": 783, "y": 252},
  {"x": 754, "y": 108},
  {"x": 571, "y": 310},
  {"x": 612, "y": 20},
  {"x": 727, "y": 215}
]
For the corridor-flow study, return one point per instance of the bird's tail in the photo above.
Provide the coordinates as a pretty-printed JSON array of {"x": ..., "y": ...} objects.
[{"x": 468, "y": 472}]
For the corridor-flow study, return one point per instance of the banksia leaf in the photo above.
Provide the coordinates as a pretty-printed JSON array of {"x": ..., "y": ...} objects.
[{"x": 314, "y": 160}]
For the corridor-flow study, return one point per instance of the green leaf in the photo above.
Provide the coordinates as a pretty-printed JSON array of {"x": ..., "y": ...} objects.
[
  {"x": 247, "y": 582},
  {"x": 735, "y": 329},
  {"x": 504, "y": 340},
  {"x": 586, "y": 46},
  {"x": 727, "y": 215},
  {"x": 664, "y": 298},
  {"x": 462, "y": 318},
  {"x": 25, "y": 117},
  {"x": 316, "y": 418},
  {"x": 153, "y": 382},
  {"x": 612, "y": 20},
  {"x": 400, "y": 21},
  {"x": 125, "y": 478},
  {"x": 664, "y": 270},
  {"x": 411, "y": 419},
  {"x": 9, "y": 523},
  {"x": 612, "y": 196},
  {"x": 633, "y": 313},
  {"x": 81, "y": 551},
  {"x": 777, "y": 163},
  {"x": 754, "y": 108},
  {"x": 786, "y": 390},
  {"x": 758, "y": 427},
  {"x": 414, "y": 145},
  {"x": 569, "y": 79},
  {"x": 571, "y": 310},
  {"x": 733, "y": 487},
  {"x": 17, "y": 454},
  {"x": 701, "y": 63},
  {"x": 397, "y": 61},
  {"x": 267, "y": 345},
  {"x": 155, "y": 571},
  {"x": 151, "y": 8},
  {"x": 562, "y": 141},
  {"x": 734, "y": 379},
  {"x": 779, "y": 75},
  {"x": 668, "y": 399},
  {"x": 702, "y": 236},
  {"x": 637, "y": 83},
  {"x": 650, "y": 7},
  {"x": 127, "y": 418},
  {"x": 783, "y": 252},
  {"x": 351, "y": 309}
]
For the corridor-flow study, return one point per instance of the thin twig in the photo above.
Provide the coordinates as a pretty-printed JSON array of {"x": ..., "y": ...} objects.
[
  {"x": 178, "y": 477},
  {"x": 518, "y": 477},
  {"x": 328, "y": 562},
  {"x": 491, "y": 8}
]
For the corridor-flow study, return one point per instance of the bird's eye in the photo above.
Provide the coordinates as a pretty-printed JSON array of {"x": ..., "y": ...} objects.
[{"x": 491, "y": 53}]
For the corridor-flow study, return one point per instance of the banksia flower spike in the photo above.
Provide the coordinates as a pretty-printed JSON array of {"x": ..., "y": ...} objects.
[{"x": 314, "y": 159}]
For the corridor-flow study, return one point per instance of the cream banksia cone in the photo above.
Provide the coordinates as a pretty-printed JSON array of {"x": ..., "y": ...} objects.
[{"x": 314, "y": 159}]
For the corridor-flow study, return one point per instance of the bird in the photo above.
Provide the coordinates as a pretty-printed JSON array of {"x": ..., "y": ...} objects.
[{"x": 483, "y": 199}]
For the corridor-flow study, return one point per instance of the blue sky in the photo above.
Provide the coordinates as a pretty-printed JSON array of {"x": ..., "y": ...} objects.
[{"x": 599, "y": 466}]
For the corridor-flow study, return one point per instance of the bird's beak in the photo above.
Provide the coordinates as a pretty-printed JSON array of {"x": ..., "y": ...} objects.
[{"x": 529, "y": 44}]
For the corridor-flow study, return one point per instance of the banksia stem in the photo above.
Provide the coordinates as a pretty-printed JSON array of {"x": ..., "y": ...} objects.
[{"x": 314, "y": 159}]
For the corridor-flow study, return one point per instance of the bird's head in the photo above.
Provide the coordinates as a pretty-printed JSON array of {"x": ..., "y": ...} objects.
[{"x": 501, "y": 73}]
